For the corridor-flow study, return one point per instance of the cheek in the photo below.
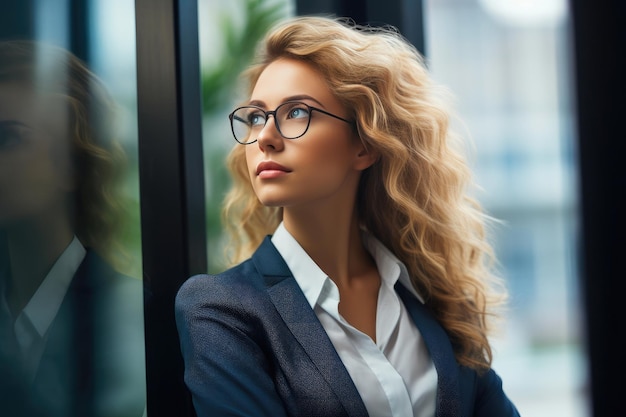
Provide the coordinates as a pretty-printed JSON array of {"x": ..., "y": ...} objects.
[
  {"x": 29, "y": 183},
  {"x": 327, "y": 156},
  {"x": 28, "y": 194}
]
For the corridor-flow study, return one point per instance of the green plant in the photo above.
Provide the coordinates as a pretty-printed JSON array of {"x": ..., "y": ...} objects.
[{"x": 219, "y": 86}]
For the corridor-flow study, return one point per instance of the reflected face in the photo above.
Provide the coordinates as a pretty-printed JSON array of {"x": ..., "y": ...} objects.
[
  {"x": 34, "y": 162},
  {"x": 319, "y": 166}
]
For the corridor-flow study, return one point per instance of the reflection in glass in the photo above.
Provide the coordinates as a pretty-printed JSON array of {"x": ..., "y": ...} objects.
[{"x": 71, "y": 325}]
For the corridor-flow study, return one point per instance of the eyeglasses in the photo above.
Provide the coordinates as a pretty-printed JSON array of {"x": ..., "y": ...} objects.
[{"x": 292, "y": 120}]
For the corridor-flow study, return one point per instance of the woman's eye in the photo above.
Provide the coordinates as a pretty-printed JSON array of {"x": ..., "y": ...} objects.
[
  {"x": 256, "y": 119},
  {"x": 298, "y": 113}
]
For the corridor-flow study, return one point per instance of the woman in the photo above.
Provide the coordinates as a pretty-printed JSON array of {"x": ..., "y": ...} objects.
[
  {"x": 71, "y": 326},
  {"x": 363, "y": 286}
]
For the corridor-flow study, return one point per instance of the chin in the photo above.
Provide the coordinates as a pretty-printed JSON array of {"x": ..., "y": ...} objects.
[
  {"x": 271, "y": 196},
  {"x": 269, "y": 202}
]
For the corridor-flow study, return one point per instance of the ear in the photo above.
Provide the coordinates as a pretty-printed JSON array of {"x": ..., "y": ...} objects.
[{"x": 365, "y": 158}]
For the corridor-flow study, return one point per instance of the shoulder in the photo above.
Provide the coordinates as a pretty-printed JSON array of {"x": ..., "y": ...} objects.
[
  {"x": 240, "y": 277},
  {"x": 235, "y": 288},
  {"x": 234, "y": 305},
  {"x": 108, "y": 299},
  {"x": 96, "y": 273},
  {"x": 97, "y": 283}
]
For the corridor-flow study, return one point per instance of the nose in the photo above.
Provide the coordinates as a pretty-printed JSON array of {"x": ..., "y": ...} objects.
[{"x": 269, "y": 137}]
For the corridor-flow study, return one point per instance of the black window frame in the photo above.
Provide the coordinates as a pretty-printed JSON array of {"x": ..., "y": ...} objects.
[
  {"x": 171, "y": 186},
  {"x": 599, "y": 69}
]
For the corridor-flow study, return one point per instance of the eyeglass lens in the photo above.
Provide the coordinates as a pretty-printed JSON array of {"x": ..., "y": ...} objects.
[{"x": 292, "y": 121}]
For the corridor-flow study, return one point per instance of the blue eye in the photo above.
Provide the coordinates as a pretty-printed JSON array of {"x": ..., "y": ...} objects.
[
  {"x": 298, "y": 113},
  {"x": 256, "y": 119}
]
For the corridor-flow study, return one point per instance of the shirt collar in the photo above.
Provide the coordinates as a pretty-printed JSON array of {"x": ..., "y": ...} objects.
[
  {"x": 390, "y": 268},
  {"x": 312, "y": 279},
  {"x": 307, "y": 273},
  {"x": 45, "y": 303}
]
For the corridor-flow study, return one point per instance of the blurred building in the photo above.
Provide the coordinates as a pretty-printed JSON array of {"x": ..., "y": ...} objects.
[{"x": 507, "y": 63}]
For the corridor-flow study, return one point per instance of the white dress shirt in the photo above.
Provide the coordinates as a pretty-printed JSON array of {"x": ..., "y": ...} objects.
[
  {"x": 31, "y": 325},
  {"x": 395, "y": 375}
]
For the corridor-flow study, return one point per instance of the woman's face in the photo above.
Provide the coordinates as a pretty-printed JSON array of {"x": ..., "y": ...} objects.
[
  {"x": 34, "y": 155},
  {"x": 324, "y": 164}
]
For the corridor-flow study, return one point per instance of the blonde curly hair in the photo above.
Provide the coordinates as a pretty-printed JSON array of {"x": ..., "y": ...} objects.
[{"x": 415, "y": 198}]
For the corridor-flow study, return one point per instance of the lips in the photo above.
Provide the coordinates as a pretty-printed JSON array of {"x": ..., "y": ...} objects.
[{"x": 270, "y": 166}]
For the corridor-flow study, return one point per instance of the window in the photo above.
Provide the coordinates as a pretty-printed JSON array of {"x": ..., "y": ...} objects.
[
  {"x": 72, "y": 293},
  {"x": 507, "y": 64}
]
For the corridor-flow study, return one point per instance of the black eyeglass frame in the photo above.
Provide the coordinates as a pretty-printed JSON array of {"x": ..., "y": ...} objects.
[{"x": 268, "y": 113}]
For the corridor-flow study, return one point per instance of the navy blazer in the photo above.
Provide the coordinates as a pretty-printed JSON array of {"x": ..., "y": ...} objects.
[
  {"x": 253, "y": 346},
  {"x": 93, "y": 362}
]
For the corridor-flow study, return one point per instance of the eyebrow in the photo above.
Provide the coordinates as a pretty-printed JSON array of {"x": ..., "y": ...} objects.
[{"x": 261, "y": 103}]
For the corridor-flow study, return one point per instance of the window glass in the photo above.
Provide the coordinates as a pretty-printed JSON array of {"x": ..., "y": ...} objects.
[
  {"x": 71, "y": 294},
  {"x": 229, "y": 33},
  {"x": 507, "y": 63}
]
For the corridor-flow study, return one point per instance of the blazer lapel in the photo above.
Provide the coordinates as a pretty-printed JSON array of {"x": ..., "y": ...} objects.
[
  {"x": 305, "y": 326},
  {"x": 440, "y": 349}
]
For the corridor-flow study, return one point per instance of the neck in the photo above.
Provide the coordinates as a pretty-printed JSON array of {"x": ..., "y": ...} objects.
[{"x": 332, "y": 238}]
